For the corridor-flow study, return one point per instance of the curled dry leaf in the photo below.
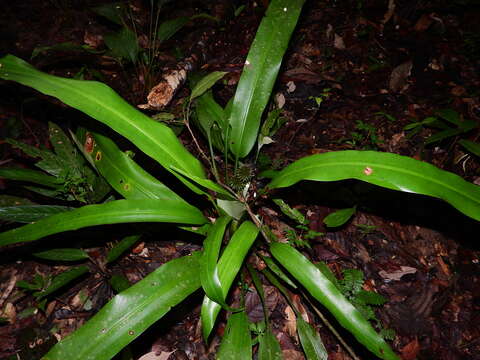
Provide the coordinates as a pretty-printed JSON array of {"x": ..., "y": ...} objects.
[{"x": 397, "y": 274}]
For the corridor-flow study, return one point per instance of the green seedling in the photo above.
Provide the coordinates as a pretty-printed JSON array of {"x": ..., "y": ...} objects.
[
  {"x": 387, "y": 116},
  {"x": 339, "y": 217},
  {"x": 324, "y": 95},
  {"x": 366, "y": 229},
  {"x": 365, "y": 136}
]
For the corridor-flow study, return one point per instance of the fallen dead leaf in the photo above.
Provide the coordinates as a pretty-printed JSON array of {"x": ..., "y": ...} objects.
[
  {"x": 399, "y": 76},
  {"x": 338, "y": 42},
  {"x": 410, "y": 351},
  {"x": 423, "y": 23},
  {"x": 280, "y": 100},
  {"x": 9, "y": 312},
  {"x": 291, "y": 87},
  {"x": 139, "y": 248},
  {"x": 397, "y": 275},
  {"x": 291, "y": 322},
  {"x": 390, "y": 11}
]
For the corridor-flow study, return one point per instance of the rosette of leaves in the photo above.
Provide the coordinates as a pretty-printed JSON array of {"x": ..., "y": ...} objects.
[{"x": 141, "y": 197}]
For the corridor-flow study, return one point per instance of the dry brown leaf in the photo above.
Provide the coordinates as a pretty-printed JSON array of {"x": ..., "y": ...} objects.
[
  {"x": 291, "y": 322},
  {"x": 399, "y": 77},
  {"x": 390, "y": 11},
  {"x": 410, "y": 351},
  {"x": 397, "y": 274},
  {"x": 9, "y": 312},
  {"x": 423, "y": 23},
  {"x": 338, "y": 42}
]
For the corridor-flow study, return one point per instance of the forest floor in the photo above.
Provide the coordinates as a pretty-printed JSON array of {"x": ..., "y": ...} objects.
[{"x": 357, "y": 75}]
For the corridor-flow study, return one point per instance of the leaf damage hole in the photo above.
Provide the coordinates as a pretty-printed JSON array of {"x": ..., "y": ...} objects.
[
  {"x": 98, "y": 156},
  {"x": 368, "y": 171},
  {"x": 89, "y": 143}
]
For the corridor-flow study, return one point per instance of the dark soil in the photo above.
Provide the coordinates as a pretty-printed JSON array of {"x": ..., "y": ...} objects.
[{"x": 354, "y": 76}]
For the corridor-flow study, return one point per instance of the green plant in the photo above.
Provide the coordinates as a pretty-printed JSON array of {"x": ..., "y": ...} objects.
[
  {"x": 124, "y": 43},
  {"x": 146, "y": 199},
  {"x": 351, "y": 286},
  {"x": 448, "y": 122},
  {"x": 65, "y": 176},
  {"x": 324, "y": 95},
  {"x": 303, "y": 233},
  {"x": 365, "y": 136}
]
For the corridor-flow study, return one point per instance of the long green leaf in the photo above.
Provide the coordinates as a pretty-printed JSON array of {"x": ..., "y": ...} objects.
[
  {"x": 206, "y": 83},
  {"x": 388, "y": 170},
  {"x": 206, "y": 183},
  {"x": 123, "y": 44},
  {"x": 471, "y": 146},
  {"x": 169, "y": 27},
  {"x": 269, "y": 347},
  {"x": 30, "y": 213},
  {"x": 228, "y": 267},
  {"x": 61, "y": 280},
  {"x": 124, "y": 174},
  {"x": 330, "y": 297},
  {"x": 122, "y": 246},
  {"x": 66, "y": 254},
  {"x": 278, "y": 271},
  {"x": 28, "y": 175},
  {"x": 131, "y": 312},
  {"x": 236, "y": 343},
  {"x": 208, "y": 265},
  {"x": 114, "y": 212},
  {"x": 103, "y": 104},
  {"x": 260, "y": 72},
  {"x": 211, "y": 120},
  {"x": 311, "y": 343}
]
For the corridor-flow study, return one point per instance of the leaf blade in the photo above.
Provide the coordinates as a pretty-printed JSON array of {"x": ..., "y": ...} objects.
[
  {"x": 105, "y": 105},
  {"x": 228, "y": 267},
  {"x": 339, "y": 217},
  {"x": 113, "y": 212},
  {"x": 64, "y": 254},
  {"x": 208, "y": 264},
  {"x": 236, "y": 343},
  {"x": 30, "y": 213},
  {"x": 131, "y": 312},
  {"x": 311, "y": 342},
  {"x": 260, "y": 72},
  {"x": 127, "y": 177},
  {"x": 329, "y": 296},
  {"x": 206, "y": 83},
  {"x": 388, "y": 170}
]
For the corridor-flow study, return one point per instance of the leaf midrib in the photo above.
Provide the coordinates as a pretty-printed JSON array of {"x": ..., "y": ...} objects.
[
  {"x": 93, "y": 100},
  {"x": 370, "y": 164}
]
